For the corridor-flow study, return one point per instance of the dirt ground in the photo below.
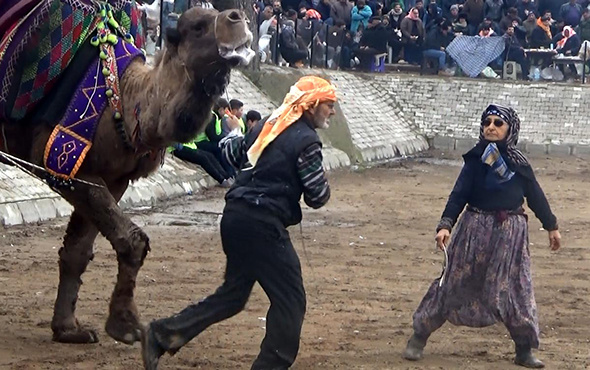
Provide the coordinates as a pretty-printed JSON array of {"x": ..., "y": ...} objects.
[{"x": 370, "y": 258}]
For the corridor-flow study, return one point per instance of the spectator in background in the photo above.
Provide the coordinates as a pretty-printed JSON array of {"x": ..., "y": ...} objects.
[
  {"x": 515, "y": 52},
  {"x": 267, "y": 34},
  {"x": 436, "y": 44},
  {"x": 486, "y": 31},
  {"x": 209, "y": 140},
  {"x": 309, "y": 27},
  {"x": 302, "y": 10},
  {"x": 373, "y": 42},
  {"x": 432, "y": 18},
  {"x": 453, "y": 13},
  {"x": 396, "y": 15},
  {"x": 334, "y": 41},
  {"x": 473, "y": 9},
  {"x": 557, "y": 27},
  {"x": 489, "y": 23},
  {"x": 324, "y": 8},
  {"x": 460, "y": 26},
  {"x": 493, "y": 9},
  {"x": 289, "y": 47},
  {"x": 432, "y": 11},
  {"x": 341, "y": 11},
  {"x": 277, "y": 8},
  {"x": 236, "y": 110},
  {"x": 412, "y": 37},
  {"x": 525, "y": 7},
  {"x": 529, "y": 26},
  {"x": 511, "y": 19},
  {"x": 571, "y": 13},
  {"x": 189, "y": 152},
  {"x": 420, "y": 6},
  {"x": 568, "y": 43},
  {"x": 361, "y": 13},
  {"x": 583, "y": 28},
  {"x": 446, "y": 6},
  {"x": 252, "y": 119}
]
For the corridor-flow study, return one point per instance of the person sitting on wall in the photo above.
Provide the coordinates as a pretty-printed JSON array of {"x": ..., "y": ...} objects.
[
  {"x": 373, "y": 42},
  {"x": 436, "y": 43},
  {"x": 289, "y": 47},
  {"x": 252, "y": 119},
  {"x": 236, "y": 110},
  {"x": 515, "y": 52},
  {"x": 460, "y": 26},
  {"x": 568, "y": 44},
  {"x": 488, "y": 23}
]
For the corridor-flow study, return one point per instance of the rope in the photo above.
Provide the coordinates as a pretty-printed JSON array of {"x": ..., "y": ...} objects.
[
  {"x": 307, "y": 260},
  {"x": 17, "y": 163}
]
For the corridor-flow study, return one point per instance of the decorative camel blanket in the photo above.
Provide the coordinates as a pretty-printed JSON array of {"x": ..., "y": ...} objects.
[
  {"x": 40, "y": 45},
  {"x": 72, "y": 138}
]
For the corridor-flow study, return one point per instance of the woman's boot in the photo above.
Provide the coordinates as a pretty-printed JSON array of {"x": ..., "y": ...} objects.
[{"x": 524, "y": 357}]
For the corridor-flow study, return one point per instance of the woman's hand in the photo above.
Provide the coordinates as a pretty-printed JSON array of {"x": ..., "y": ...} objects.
[
  {"x": 554, "y": 240},
  {"x": 442, "y": 238}
]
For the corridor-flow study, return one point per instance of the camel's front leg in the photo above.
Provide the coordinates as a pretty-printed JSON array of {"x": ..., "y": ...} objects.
[
  {"x": 131, "y": 244},
  {"x": 74, "y": 256}
]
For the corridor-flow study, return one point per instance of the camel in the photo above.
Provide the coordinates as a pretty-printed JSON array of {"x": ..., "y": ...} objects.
[{"x": 175, "y": 98}]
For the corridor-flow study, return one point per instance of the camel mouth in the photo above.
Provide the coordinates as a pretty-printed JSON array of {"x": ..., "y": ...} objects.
[{"x": 242, "y": 55}]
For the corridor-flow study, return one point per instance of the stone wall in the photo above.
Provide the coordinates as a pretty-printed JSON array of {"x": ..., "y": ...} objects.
[
  {"x": 370, "y": 125},
  {"x": 377, "y": 122},
  {"x": 551, "y": 114}
]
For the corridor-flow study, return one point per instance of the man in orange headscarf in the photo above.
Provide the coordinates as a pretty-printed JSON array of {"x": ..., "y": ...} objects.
[{"x": 280, "y": 159}]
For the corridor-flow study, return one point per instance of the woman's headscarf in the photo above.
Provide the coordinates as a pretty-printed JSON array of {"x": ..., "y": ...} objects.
[
  {"x": 509, "y": 116},
  {"x": 313, "y": 14},
  {"x": 412, "y": 16},
  {"x": 570, "y": 33},
  {"x": 308, "y": 92}
]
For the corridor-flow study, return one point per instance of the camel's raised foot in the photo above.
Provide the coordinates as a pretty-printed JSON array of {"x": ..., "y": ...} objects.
[
  {"x": 124, "y": 327},
  {"x": 75, "y": 335}
]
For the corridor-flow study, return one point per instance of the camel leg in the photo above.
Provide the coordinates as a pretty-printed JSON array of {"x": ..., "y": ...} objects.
[
  {"x": 74, "y": 256},
  {"x": 131, "y": 244}
]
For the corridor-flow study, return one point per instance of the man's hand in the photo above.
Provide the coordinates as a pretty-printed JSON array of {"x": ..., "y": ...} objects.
[
  {"x": 232, "y": 122},
  {"x": 554, "y": 240},
  {"x": 442, "y": 238}
]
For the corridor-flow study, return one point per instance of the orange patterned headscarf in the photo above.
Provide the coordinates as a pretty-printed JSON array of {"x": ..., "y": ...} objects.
[{"x": 307, "y": 93}]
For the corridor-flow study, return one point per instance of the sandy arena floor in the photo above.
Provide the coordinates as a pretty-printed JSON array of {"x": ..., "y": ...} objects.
[{"x": 371, "y": 258}]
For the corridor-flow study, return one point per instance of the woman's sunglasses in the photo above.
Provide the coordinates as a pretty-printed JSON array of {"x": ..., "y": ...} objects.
[{"x": 496, "y": 122}]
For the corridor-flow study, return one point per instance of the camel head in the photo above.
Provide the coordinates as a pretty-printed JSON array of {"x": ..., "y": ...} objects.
[
  {"x": 195, "y": 67},
  {"x": 206, "y": 40}
]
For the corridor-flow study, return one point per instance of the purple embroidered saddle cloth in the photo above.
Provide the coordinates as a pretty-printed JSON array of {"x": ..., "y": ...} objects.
[{"x": 72, "y": 138}]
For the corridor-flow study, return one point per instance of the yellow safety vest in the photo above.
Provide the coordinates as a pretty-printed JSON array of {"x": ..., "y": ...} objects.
[
  {"x": 203, "y": 136},
  {"x": 242, "y": 125}
]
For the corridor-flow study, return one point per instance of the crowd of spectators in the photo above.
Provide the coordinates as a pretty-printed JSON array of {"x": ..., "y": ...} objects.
[{"x": 345, "y": 34}]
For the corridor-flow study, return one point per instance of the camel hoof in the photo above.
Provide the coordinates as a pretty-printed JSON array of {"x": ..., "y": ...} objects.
[
  {"x": 124, "y": 332},
  {"x": 78, "y": 336}
]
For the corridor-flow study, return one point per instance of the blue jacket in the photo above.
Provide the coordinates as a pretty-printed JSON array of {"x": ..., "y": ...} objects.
[{"x": 363, "y": 15}]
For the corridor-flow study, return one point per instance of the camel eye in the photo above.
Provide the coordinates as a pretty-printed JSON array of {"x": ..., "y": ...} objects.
[{"x": 200, "y": 28}]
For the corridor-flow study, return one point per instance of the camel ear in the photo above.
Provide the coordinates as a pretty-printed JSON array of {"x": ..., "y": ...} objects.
[{"x": 172, "y": 36}]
